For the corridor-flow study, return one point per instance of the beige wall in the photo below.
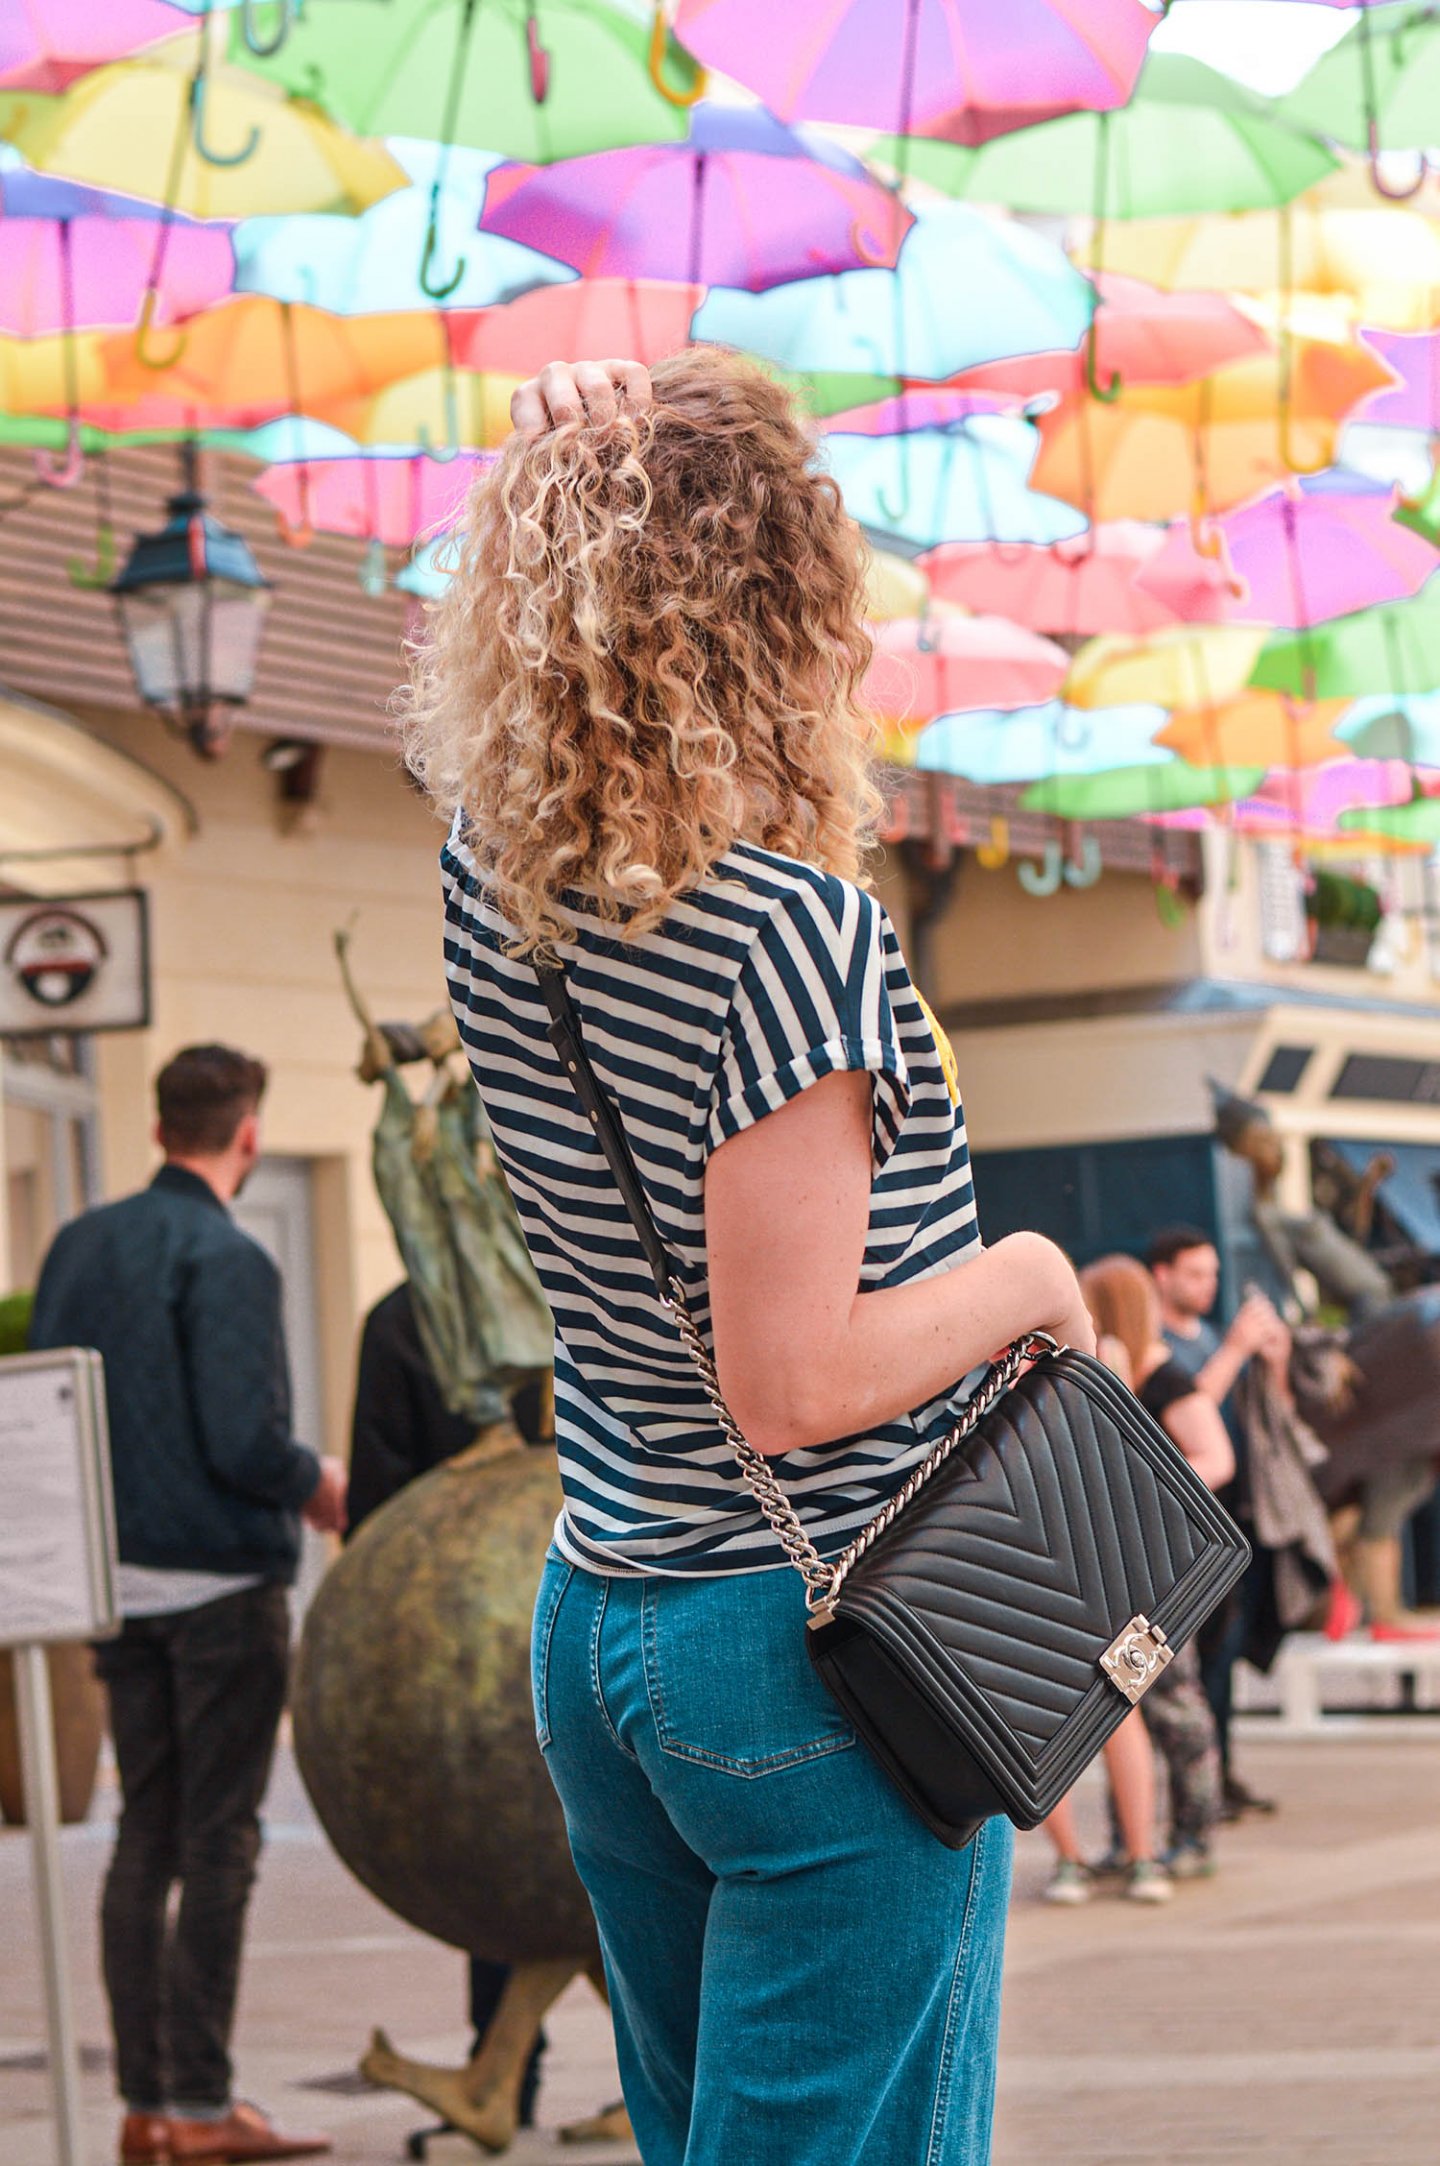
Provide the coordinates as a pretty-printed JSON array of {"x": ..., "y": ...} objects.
[{"x": 242, "y": 916}]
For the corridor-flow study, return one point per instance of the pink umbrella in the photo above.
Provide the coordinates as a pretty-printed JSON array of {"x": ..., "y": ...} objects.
[
  {"x": 1309, "y": 800},
  {"x": 46, "y": 44},
  {"x": 1415, "y": 403},
  {"x": 62, "y": 274},
  {"x": 1143, "y": 335},
  {"x": 943, "y": 664},
  {"x": 1081, "y": 586},
  {"x": 740, "y": 203},
  {"x": 1310, "y": 554},
  {"x": 389, "y": 500},
  {"x": 589, "y": 320},
  {"x": 965, "y": 70},
  {"x": 925, "y": 408}
]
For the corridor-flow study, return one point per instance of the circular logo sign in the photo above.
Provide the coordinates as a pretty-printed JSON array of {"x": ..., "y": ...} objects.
[{"x": 55, "y": 954}]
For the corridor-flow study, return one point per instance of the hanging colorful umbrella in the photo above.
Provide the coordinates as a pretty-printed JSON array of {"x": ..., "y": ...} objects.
[
  {"x": 234, "y": 148},
  {"x": 741, "y": 203},
  {"x": 962, "y": 69},
  {"x": 590, "y": 319},
  {"x": 1308, "y": 555},
  {"x": 1256, "y": 729},
  {"x": 1416, "y": 822},
  {"x": 93, "y": 273},
  {"x": 46, "y": 44},
  {"x": 1414, "y": 402},
  {"x": 1189, "y": 141},
  {"x": 1310, "y": 802},
  {"x": 1156, "y": 449},
  {"x": 1093, "y": 584},
  {"x": 919, "y": 406},
  {"x": 1143, "y": 335},
  {"x": 1394, "y": 650},
  {"x": 969, "y": 482},
  {"x": 906, "y": 323},
  {"x": 996, "y": 748},
  {"x": 1395, "y": 729},
  {"x": 1376, "y": 90},
  {"x": 1182, "y": 665},
  {"x": 537, "y": 83},
  {"x": 894, "y": 587},
  {"x": 442, "y": 410},
  {"x": 392, "y": 500},
  {"x": 1130, "y": 793},
  {"x": 925, "y": 666}
]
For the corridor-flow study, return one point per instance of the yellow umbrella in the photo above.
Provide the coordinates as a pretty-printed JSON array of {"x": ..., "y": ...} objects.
[
  {"x": 1181, "y": 665},
  {"x": 1257, "y": 729},
  {"x": 124, "y": 126},
  {"x": 440, "y": 408},
  {"x": 894, "y": 588},
  {"x": 39, "y": 376},
  {"x": 1160, "y": 449}
]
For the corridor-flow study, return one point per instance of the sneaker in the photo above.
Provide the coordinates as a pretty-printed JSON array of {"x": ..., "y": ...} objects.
[
  {"x": 1240, "y": 1798},
  {"x": 1068, "y": 1884},
  {"x": 1114, "y": 1865},
  {"x": 1189, "y": 1859},
  {"x": 1146, "y": 1882}
]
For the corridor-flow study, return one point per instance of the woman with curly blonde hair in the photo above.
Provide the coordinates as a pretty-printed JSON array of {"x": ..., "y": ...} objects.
[{"x": 640, "y": 704}]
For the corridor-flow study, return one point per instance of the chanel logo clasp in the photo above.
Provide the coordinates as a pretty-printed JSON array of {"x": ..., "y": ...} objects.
[{"x": 1135, "y": 1658}]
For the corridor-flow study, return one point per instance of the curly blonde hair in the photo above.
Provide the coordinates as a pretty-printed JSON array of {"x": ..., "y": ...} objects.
[{"x": 652, "y": 647}]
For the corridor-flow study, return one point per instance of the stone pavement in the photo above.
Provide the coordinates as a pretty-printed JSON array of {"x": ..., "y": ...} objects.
[{"x": 1287, "y": 2012}]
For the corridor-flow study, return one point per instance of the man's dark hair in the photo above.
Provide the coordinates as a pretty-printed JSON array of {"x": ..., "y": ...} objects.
[
  {"x": 1173, "y": 1241},
  {"x": 203, "y": 1095}
]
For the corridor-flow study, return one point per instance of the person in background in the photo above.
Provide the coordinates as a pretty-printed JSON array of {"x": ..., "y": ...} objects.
[
  {"x": 210, "y": 1488},
  {"x": 401, "y": 1429},
  {"x": 1186, "y": 1268},
  {"x": 1125, "y": 1305}
]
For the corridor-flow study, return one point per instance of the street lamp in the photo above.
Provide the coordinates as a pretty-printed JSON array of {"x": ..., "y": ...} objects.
[{"x": 192, "y": 603}]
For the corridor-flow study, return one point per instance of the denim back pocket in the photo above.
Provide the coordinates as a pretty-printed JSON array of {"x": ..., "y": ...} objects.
[
  {"x": 730, "y": 1684},
  {"x": 553, "y": 1586}
]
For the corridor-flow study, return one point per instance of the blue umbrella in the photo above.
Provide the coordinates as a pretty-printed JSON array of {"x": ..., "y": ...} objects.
[
  {"x": 1033, "y": 742},
  {"x": 967, "y": 289},
  {"x": 1395, "y": 729},
  {"x": 966, "y": 483},
  {"x": 372, "y": 264}
]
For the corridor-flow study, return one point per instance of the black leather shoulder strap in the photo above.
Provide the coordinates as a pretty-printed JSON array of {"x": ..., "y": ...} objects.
[{"x": 564, "y": 1035}]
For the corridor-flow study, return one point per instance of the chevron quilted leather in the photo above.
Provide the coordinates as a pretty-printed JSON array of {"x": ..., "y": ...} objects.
[{"x": 965, "y": 1644}]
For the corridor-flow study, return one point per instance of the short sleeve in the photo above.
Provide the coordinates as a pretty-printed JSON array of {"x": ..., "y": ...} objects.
[
  {"x": 812, "y": 999},
  {"x": 1165, "y": 1387}
]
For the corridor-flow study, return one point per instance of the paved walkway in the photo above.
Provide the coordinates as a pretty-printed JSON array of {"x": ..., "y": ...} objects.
[{"x": 1285, "y": 2014}]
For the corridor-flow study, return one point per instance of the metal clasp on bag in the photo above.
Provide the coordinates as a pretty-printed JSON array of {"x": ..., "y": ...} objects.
[{"x": 1135, "y": 1658}]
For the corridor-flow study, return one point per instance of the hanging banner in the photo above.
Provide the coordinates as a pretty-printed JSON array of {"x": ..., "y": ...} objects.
[
  {"x": 57, "y": 1531},
  {"x": 72, "y": 963}
]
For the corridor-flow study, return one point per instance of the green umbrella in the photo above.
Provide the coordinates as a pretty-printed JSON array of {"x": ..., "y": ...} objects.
[
  {"x": 532, "y": 79},
  {"x": 1189, "y": 141},
  {"x": 1393, "y": 649},
  {"x": 1127, "y": 792},
  {"x": 1378, "y": 89},
  {"x": 1417, "y": 821}
]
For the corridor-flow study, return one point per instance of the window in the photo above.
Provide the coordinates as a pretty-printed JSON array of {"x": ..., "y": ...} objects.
[{"x": 51, "y": 1144}]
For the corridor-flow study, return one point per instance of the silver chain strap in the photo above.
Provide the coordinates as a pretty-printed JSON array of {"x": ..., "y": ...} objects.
[{"x": 823, "y": 1581}]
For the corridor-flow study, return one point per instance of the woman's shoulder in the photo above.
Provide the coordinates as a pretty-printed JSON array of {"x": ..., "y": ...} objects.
[{"x": 1167, "y": 1383}]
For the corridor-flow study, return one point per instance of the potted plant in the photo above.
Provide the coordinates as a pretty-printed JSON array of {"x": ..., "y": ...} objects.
[{"x": 1345, "y": 916}]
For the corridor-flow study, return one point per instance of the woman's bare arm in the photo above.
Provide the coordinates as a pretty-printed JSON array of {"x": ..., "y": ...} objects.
[
  {"x": 1195, "y": 1424},
  {"x": 803, "y": 1357}
]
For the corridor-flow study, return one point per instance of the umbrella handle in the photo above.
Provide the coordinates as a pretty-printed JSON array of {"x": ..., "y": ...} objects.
[
  {"x": 63, "y": 473},
  {"x": 539, "y": 60},
  {"x": 1287, "y": 450},
  {"x": 659, "y": 31},
  {"x": 1072, "y": 732},
  {"x": 263, "y": 48},
  {"x": 1107, "y": 394},
  {"x": 80, "y": 574},
  {"x": 203, "y": 149},
  {"x": 1047, "y": 880},
  {"x": 374, "y": 573},
  {"x": 432, "y": 450},
  {"x": 996, "y": 851},
  {"x": 1208, "y": 543},
  {"x": 146, "y": 359},
  {"x": 1083, "y": 869},
  {"x": 442, "y": 290},
  {"x": 870, "y": 251},
  {"x": 1170, "y": 909}
]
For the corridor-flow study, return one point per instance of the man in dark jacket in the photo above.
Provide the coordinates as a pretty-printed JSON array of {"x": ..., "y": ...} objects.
[{"x": 210, "y": 1488}]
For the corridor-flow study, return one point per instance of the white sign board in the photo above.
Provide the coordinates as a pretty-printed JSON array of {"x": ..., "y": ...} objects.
[
  {"x": 57, "y": 1514},
  {"x": 74, "y": 962}
]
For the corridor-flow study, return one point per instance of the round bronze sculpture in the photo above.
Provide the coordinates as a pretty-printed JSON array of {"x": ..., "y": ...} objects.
[{"x": 414, "y": 1730}]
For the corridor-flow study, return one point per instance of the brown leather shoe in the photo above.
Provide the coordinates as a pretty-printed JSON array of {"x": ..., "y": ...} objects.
[
  {"x": 145, "y": 2140},
  {"x": 244, "y": 2138}
]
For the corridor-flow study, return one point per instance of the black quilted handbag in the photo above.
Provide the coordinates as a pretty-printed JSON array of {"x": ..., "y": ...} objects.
[{"x": 1004, "y": 1611}]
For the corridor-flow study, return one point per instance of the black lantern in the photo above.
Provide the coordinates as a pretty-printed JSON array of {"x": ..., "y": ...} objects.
[{"x": 192, "y": 603}]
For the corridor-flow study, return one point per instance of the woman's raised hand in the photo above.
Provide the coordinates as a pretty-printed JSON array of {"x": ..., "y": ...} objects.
[{"x": 590, "y": 391}]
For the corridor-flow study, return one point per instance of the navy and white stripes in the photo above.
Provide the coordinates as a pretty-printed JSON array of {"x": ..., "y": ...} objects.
[{"x": 764, "y": 979}]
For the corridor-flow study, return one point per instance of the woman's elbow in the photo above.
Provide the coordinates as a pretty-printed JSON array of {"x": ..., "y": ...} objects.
[{"x": 778, "y": 1413}]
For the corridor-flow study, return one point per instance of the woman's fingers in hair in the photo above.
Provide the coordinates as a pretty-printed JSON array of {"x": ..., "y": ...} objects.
[{"x": 590, "y": 391}]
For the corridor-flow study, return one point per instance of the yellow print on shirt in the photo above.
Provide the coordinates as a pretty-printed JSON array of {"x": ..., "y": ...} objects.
[{"x": 944, "y": 1048}]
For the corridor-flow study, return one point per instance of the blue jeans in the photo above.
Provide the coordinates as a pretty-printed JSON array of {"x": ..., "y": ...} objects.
[{"x": 800, "y": 1974}]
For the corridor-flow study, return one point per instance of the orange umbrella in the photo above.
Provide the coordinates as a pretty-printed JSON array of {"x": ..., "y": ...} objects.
[
  {"x": 254, "y": 358},
  {"x": 1257, "y": 729},
  {"x": 590, "y": 320},
  {"x": 1159, "y": 449},
  {"x": 928, "y": 666}
]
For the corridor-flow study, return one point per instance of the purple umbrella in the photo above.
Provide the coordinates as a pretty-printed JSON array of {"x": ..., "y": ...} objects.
[
  {"x": 743, "y": 202},
  {"x": 69, "y": 274},
  {"x": 965, "y": 70},
  {"x": 929, "y": 408},
  {"x": 1415, "y": 402},
  {"x": 1314, "y": 554}
]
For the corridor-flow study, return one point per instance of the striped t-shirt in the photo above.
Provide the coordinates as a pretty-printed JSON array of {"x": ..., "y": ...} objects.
[{"x": 763, "y": 979}]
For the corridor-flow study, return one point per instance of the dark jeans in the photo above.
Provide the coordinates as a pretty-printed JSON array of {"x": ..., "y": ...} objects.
[{"x": 195, "y": 1702}]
